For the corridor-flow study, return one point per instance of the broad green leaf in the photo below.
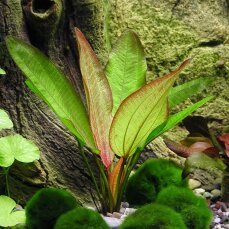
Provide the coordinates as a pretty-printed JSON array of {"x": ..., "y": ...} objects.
[
  {"x": 175, "y": 119},
  {"x": 99, "y": 97},
  {"x": 126, "y": 67},
  {"x": 182, "y": 92},
  {"x": 9, "y": 217},
  {"x": 51, "y": 85},
  {"x": 2, "y": 72},
  {"x": 19, "y": 148},
  {"x": 5, "y": 122},
  {"x": 140, "y": 113}
]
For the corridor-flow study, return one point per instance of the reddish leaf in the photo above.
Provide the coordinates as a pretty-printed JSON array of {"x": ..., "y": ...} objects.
[
  {"x": 140, "y": 113},
  {"x": 99, "y": 97},
  {"x": 114, "y": 176},
  {"x": 225, "y": 139},
  {"x": 199, "y": 147}
]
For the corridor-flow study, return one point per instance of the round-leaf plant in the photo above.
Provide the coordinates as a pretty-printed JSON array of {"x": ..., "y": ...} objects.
[
  {"x": 14, "y": 147},
  {"x": 124, "y": 114},
  {"x": 8, "y": 216}
]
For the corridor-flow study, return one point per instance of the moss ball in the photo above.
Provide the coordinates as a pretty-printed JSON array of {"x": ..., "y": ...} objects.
[
  {"x": 197, "y": 217},
  {"x": 193, "y": 209},
  {"x": 43, "y": 209},
  {"x": 150, "y": 178},
  {"x": 154, "y": 216},
  {"x": 81, "y": 218}
]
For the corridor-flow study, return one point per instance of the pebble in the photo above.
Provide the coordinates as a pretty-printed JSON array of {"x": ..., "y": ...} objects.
[
  {"x": 116, "y": 215},
  {"x": 221, "y": 215},
  {"x": 129, "y": 211},
  {"x": 112, "y": 222},
  {"x": 193, "y": 184},
  {"x": 125, "y": 205},
  {"x": 199, "y": 191},
  {"x": 216, "y": 193},
  {"x": 207, "y": 195}
]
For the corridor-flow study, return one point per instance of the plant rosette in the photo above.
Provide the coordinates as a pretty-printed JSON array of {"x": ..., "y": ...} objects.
[{"x": 123, "y": 113}]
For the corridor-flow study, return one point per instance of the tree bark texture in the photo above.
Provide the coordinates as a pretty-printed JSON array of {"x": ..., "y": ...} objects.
[{"x": 47, "y": 24}]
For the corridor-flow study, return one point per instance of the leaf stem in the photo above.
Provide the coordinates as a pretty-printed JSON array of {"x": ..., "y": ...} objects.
[
  {"x": 129, "y": 167},
  {"x": 104, "y": 178},
  {"x": 81, "y": 146},
  {"x": 6, "y": 172}
]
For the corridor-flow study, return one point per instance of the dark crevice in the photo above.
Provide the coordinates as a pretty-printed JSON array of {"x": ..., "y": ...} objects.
[
  {"x": 41, "y": 6},
  {"x": 175, "y": 6},
  {"x": 211, "y": 43}
]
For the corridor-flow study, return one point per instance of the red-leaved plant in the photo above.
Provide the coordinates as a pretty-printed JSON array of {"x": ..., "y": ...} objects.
[
  {"x": 204, "y": 149},
  {"x": 124, "y": 113}
]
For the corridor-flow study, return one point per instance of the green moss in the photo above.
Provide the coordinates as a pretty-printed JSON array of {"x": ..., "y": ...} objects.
[
  {"x": 151, "y": 178},
  {"x": 154, "y": 216},
  {"x": 81, "y": 218},
  {"x": 46, "y": 206},
  {"x": 196, "y": 217},
  {"x": 167, "y": 41},
  {"x": 193, "y": 209}
]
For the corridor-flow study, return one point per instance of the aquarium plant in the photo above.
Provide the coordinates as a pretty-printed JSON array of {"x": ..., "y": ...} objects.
[
  {"x": 46, "y": 205},
  {"x": 150, "y": 178},
  {"x": 81, "y": 218},
  {"x": 9, "y": 214},
  {"x": 154, "y": 216},
  {"x": 123, "y": 113},
  {"x": 205, "y": 149},
  {"x": 14, "y": 147}
]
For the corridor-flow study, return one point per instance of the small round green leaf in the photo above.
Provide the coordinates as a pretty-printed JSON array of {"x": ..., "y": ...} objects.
[
  {"x": 5, "y": 122},
  {"x": 6, "y": 156},
  {"x": 9, "y": 217},
  {"x": 19, "y": 148}
]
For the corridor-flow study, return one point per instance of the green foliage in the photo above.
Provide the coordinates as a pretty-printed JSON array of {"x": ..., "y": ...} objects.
[
  {"x": 46, "y": 80},
  {"x": 81, "y": 218},
  {"x": 154, "y": 216},
  {"x": 175, "y": 119},
  {"x": 8, "y": 216},
  {"x": 140, "y": 113},
  {"x": 14, "y": 147},
  {"x": 184, "y": 91},
  {"x": 126, "y": 67},
  {"x": 5, "y": 122},
  {"x": 196, "y": 217},
  {"x": 43, "y": 209},
  {"x": 141, "y": 110},
  {"x": 19, "y": 148},
  {"x": 150, "y": 178},
  {"x": 183, "y": 201}
]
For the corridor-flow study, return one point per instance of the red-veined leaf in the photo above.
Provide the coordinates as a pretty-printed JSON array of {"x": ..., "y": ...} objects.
[
  {"x": 140, "y": 113},
  {"x": 99, "y": 97}
]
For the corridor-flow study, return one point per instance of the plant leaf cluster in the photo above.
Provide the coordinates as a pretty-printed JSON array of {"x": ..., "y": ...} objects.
[
  {"x": 123, "y": 113},
  {"x": 8, "y": 216},
  {"x": 13, "y": 147}
]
